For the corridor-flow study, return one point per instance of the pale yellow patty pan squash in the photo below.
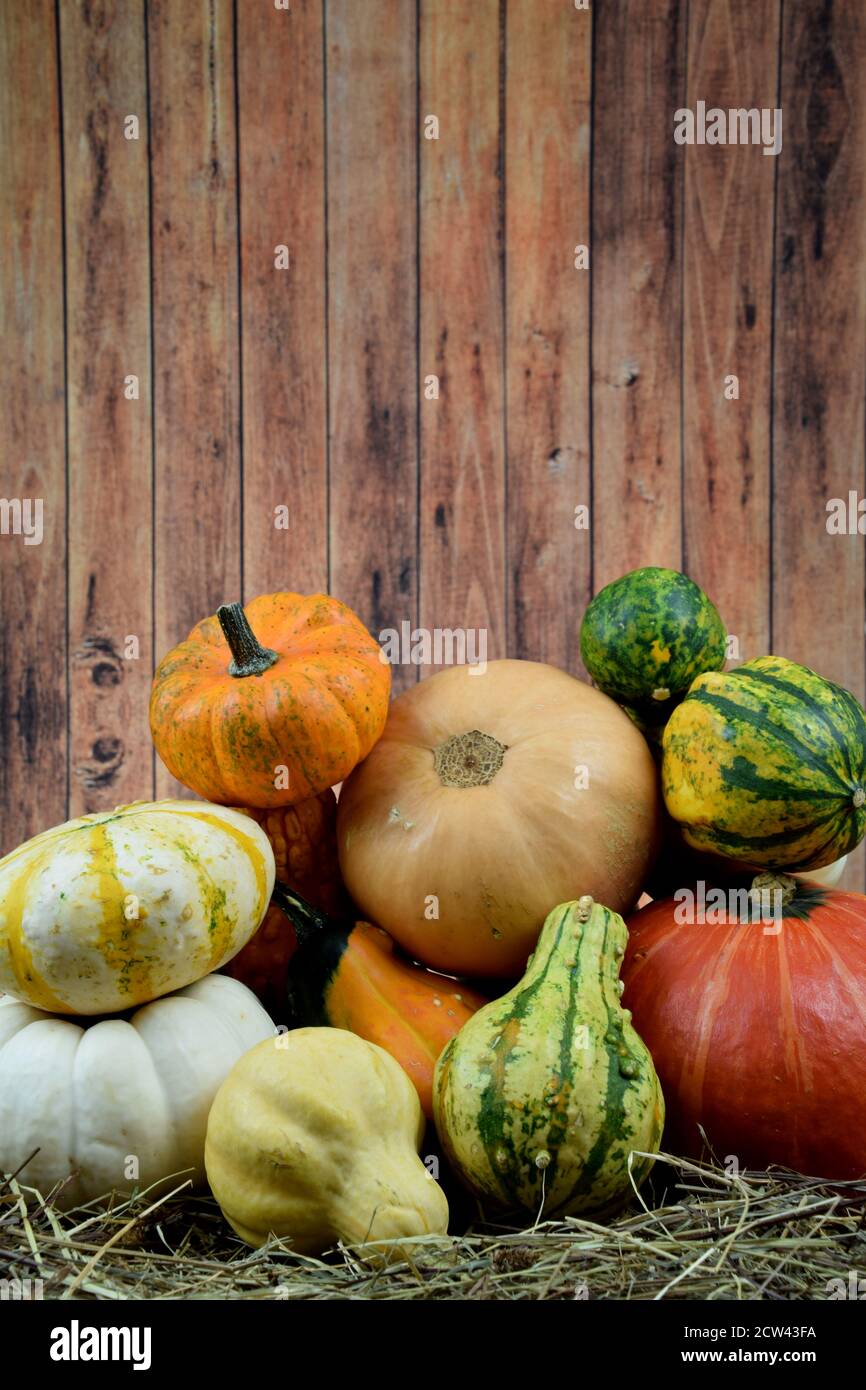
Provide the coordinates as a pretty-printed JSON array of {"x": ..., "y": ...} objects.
[
  {"x": 114, "y": 909},
  {"x": 314, "y": 1136}
]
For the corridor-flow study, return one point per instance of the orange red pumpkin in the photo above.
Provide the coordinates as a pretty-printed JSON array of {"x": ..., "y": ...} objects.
[
  {"x": 269, "y": 705},
  {"x": 757, "y": 1028}
]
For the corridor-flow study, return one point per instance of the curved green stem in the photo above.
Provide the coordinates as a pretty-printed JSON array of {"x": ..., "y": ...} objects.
[
  {"x": 306, "y": 919},
  {"x": 249, "y": 657}
]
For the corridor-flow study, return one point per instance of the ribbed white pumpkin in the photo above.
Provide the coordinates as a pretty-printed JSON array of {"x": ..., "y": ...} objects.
[
  {"x": 115, "y": 909},
  {"x": 829, "y": 876},
  {"x": 109, "y": 1099}
]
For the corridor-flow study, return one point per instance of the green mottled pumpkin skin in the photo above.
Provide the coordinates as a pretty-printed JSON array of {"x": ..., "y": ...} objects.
[
  {"x": 553, "y": 1071},
  {"x": 645, "y": 637},
  {"x": 766, "y": 765}
]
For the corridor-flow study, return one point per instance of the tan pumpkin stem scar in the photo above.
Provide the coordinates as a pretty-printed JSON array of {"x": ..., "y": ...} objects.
[{"x": 468, "y": 760}]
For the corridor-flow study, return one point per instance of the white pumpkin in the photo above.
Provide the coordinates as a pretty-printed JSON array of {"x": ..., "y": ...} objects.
[
  {"x": 829, "y": 876},
  {"x": 112, "y": 910},
  {"x": 119, "y": 1103}
]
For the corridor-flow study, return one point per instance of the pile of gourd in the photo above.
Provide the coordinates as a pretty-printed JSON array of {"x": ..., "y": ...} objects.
[{"x": 492, "y": 825}]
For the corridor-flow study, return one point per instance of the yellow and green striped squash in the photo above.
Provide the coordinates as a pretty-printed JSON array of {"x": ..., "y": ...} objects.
[
  {"x": 543, "y": 1095},
  {"x": 766, "y": 765},
  {"x": 114, "y": 909}
]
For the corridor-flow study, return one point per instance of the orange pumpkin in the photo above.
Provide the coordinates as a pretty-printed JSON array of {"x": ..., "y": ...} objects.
[
  {"x": 269, "y": 707},
  {"x": 304, "y": 841},
  {"x": 756, "y": 1023}
]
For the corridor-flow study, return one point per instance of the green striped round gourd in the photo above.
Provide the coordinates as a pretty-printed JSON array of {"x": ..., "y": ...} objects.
[
  {"x": 766, "y": 765},
  {"x": 647, "y": 635},
  {"x": 544, "y": 1093}
]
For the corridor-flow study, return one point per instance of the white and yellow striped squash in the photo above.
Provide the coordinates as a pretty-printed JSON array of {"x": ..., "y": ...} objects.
[{"x": 114, "y": 909}]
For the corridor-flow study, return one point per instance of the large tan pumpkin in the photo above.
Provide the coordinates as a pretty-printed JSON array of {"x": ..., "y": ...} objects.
[{"x": 489, "y": 799}]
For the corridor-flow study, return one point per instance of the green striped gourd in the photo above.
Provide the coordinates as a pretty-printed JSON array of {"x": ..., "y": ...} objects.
[
  {"x": 646, "y": 636},
  {"x": 544, "y": 1093},
  {"x": 766, "y": 765}
]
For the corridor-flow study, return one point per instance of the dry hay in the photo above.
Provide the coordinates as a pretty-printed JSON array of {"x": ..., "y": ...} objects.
[{"x": 710, "y": 1235}]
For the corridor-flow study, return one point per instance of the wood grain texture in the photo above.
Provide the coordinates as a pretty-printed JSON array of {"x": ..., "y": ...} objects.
[
  {"x": 820, "y": 347},
  {"x": 33, "y": 651},
  {"x": 371, "y": 137},
  {"x": 282, "y": 171},
  {"x": 638, "y": 83},
  {"x": 110, "y": 453},
  {"x": 305, "y": 127},
  {"x": 728, "y": 310},
  {"x": 547, "y": 214},
  {"x": 461, "y": 276},
  {"x": 195, "y": 318}
]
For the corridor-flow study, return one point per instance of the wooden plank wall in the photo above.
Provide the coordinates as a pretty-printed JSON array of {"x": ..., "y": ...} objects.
[{"x": 237, "y": 302}]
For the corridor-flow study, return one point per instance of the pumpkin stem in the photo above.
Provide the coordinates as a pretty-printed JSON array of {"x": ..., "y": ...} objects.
[
  {"x": 249, "y": 657},
  {"x": 306, "y": 919},
  {"x": 774, "y": 883},
  {"x": 468, "y": 760}
]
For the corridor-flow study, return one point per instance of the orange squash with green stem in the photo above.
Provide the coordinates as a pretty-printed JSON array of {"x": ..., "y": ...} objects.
[
  {"x": 269, "y": 705},
  {"x": 349, "y": 974}
]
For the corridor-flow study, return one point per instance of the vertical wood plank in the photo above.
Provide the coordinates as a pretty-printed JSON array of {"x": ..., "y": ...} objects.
[
  {"x": 820, "y": 344},
  {"x": 547, "y": 186},
  {"x": 282, "y": 203},
  {"x": 728, "y": 311},
  {"x": 33, "y": 762},
  {"x": 195, "y": 318},
  {"x": 110, "y": 454},
  {"x": 637, "y": 287},
  {"x": 462, "y": 493},
  {"x": 371, "y": 143}
]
